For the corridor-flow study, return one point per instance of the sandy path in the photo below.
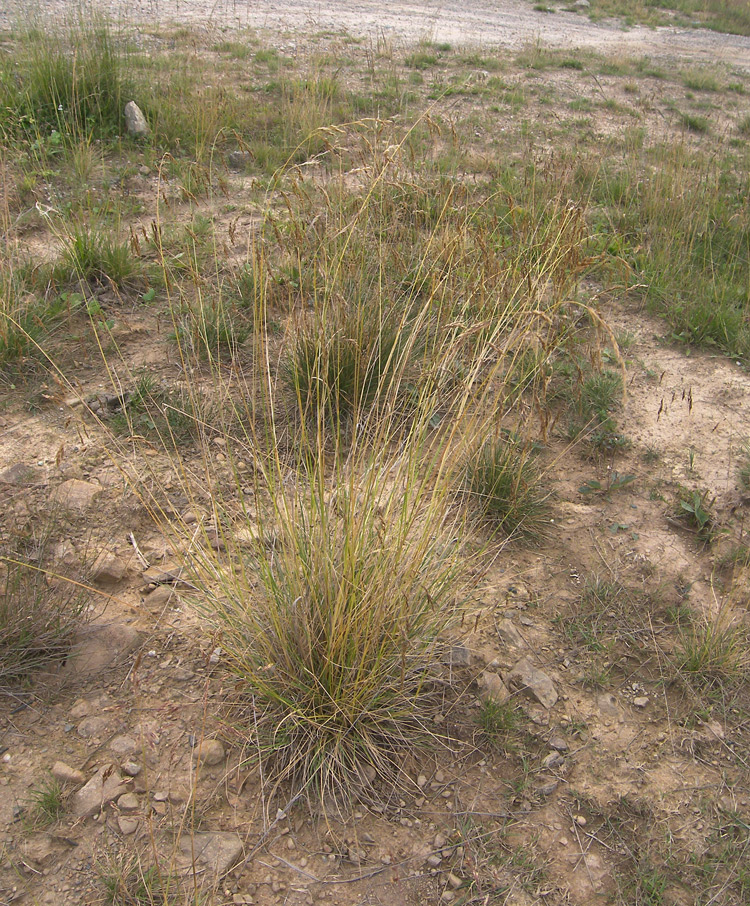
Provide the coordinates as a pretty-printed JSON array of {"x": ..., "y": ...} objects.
[{"x": 506, "y": 23}]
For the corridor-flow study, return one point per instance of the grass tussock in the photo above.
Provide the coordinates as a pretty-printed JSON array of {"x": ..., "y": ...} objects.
[{"x": 38, "y": 621}]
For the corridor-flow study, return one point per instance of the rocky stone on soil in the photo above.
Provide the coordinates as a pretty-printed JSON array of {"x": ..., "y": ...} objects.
[
  {"x": 92, "y": 726},
  {"x": 108, "y": 569},
  {"x": 135, "y": 121},
  {"x": 492, "y": 688},
  {"x": 532, "y": 682},
  {"x": 63, "y": 773},
  {"x": 162, "y": 594},
  {"x": 75, "y": 494},
  {"x": 20, "y": 475},
  {"x": 217, "y": 850},
  {"x": 99, "y": 646},
  {"x": 127, "y": 824},
  {"x": 128, "y": 802},
  {"x": 104, "y": 787},
  {"x": 239, "y": 160},
  {"x": 508, "y": 633},
  {"x": 210, "y": 752}
]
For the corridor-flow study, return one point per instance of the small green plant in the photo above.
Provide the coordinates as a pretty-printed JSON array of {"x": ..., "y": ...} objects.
[
  {"x": 713, "y": 649},
  {"x": 127, "y": 882},
  {"x": 694, "y": 123},
  {"x": 497, "y": 719},
  {"x": 695, "y": 510},
  {"x": 614, "y": 482},
  {"x": 506, "y": 486},
  {"x": 47, "y": 802},
  {"x": 91, "y": 254}
]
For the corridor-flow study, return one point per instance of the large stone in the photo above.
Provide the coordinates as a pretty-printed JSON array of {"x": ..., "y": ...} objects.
[
  {"x": 135, "y": 121},
  {"x": 492, "y": 688},
  {"x": 75, "y": 494},
  {"x": 219, "y": 851},
  {"x": 532, "y": 682},
  {"x": 104, "y": 787},
  {"x": 108, "y": 569},
  {"x": 100, "y": 646}
]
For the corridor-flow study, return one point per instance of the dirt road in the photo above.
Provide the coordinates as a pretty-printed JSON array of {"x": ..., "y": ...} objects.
[{"x": 506, "y": 23}]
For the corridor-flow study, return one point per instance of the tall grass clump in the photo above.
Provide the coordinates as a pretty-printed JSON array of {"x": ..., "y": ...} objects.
[
  {"x": 73, "y": 81},
  {"x": 332, "y": 580},
  {"x": 338, "y": 647},
  {"x": 506, "y": 486},
  {"x": 38, "y": 621}
]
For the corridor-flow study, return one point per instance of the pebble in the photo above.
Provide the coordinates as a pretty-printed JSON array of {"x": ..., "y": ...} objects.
[
  {"x": 210, "y": 751},
  {"x": 553, "y": 760},
  {"x": 65, "y": 774},
  {"x": 127, "y": 824},
  {"x": 131, "y": 768},
  {"x": 128, "y": 802},
  {"x": 421, "y": 781},
  {"x": 641, "y": 701},
  {"x": 580, "y": 820}
]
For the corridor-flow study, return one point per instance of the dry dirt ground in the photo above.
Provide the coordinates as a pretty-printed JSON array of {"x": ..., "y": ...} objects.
[{"x": 562, "y": 814}]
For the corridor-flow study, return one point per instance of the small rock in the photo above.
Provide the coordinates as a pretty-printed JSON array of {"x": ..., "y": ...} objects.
[
  {"x": 640, "y": 701},
  {"x": 65, "y": 774},
  {"x": 215, "y": 657},
  {"x": 582, "y": 4},
  {"x": 127, "y": 824},
  {"x": 210, "y": 751},
  {"x": 75, "y": 494},
  {"x": 239, "y": 160},
  {"x": 421, "y": 781},
  {"x": 492, "y": 688},
  {"x": 92, "y": 726},
  {"x": 434, "y": 861},
  {"x": 509, "y": 634},
  {"x": 459, "y": 656},
  {"x": 439, "y": 841},
  {"x": 128, "y": 802},
  {"x": 454, "y": 881},
  {"x": 123, "y": 746},
  {"x": 558, "y": 743},
  {"x": 135, "y": 121},
  {"x": 533, "y": 682},
  {"x": 546, "y": 786},
  {"x": 553, "y": 760},
  {"x": 162, "y": 594},
  {"x": 219, "y": 851},
  {"x": 104, "y": 787},
  {"x": 580, "y": 820},
  {"x": 131, "y": 768}
]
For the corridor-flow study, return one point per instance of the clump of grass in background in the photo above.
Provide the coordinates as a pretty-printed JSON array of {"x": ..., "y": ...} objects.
[
  {"x": 506, "y": 485},
  {"x": 38, "y": 621},
  {"x": 91, "y": 253},
  {"x": 73, "y": 82},
  {"x": 343, "y": 361},
  {"x": 713, "y": 650}
]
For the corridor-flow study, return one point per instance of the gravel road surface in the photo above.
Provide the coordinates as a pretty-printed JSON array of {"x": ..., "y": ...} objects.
[{"x": 505, "y": 23}]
